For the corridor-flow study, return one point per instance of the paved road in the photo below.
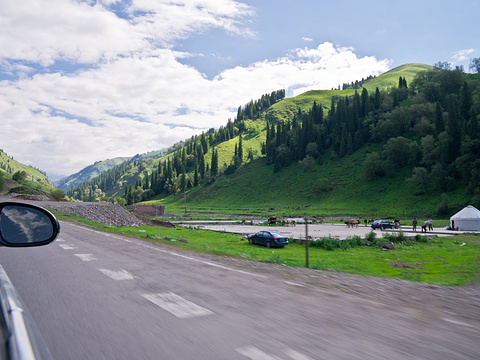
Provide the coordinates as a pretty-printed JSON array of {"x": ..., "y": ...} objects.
[{"x": 99, "y": 296}]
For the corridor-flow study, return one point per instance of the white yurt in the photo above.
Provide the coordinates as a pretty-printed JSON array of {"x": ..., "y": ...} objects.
[{"x": 467, "y": 219}]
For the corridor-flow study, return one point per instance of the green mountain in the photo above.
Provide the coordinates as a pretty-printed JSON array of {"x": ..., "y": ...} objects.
[{"x": 404, "y": 144}]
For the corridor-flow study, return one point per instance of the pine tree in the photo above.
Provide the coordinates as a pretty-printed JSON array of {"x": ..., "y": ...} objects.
[
  {"x": 183, "y": 179},
  {"x": 214, "y": 164},
  {"x": 240, "y": 148},
  {"x": 365, "y": 103},
  {"x": 146, "y": 186},
  {"x": 196, "y": 179},
  {"x": 377, "y": 100}
]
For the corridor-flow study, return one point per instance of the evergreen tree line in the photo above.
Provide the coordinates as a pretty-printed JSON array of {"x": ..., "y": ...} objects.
[
  {"x": 358, "y": 83},
  {"x": 431, "y": 126},
  {"x": 169, "y": 176},
  {"x": 175, "y": 174},
  {"x": 253, "y": 108},
  {"x": 184, "y": 167}
]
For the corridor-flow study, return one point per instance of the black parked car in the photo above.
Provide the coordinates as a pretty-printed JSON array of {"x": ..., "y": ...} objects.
[
  {"x": 382, "y": 224},
  {"x": 268, "y": 238}
]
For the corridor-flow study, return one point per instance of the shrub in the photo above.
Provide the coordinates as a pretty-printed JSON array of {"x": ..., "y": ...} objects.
[
  {"x": 327, "y": 243},
  {"x": 396, "y": 237},
  {"x": 57, "y": 194},
  {"x": 371, "y": 238},
  {"x": 20, "y": 176}
]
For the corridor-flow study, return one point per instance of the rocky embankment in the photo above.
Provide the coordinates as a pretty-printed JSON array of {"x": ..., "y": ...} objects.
[{"x": 105, "y": 213}]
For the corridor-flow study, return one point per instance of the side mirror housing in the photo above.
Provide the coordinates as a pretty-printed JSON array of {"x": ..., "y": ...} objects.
[{"x": 23, "y": 225}]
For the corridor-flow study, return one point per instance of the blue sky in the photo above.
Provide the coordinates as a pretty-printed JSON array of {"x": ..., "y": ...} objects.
[{"x": 82, "y": 81}]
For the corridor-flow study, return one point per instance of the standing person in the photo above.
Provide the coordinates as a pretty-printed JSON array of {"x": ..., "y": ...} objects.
[
  {"x": 430, "y": 224},
  {"x": 424, "y": 226},
  {"x": 414, "y": 223}
]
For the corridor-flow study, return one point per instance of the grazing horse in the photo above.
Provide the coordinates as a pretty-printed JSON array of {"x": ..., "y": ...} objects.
[
  {"x": 352, "y": 223},
  {"x": 289, "y": 222},
  {"x": 272, "y": 220}
]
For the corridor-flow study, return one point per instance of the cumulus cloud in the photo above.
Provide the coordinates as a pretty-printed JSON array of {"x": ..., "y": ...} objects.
[{"x": 126, "y": 91}]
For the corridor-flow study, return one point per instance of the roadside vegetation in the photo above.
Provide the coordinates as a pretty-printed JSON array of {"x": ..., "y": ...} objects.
[{"x": 448, "y": 261}]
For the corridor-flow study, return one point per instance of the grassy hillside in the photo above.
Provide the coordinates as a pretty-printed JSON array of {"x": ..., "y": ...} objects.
[
  {"x": 35, "y": 178},
  {"x": 335, "y": 188},
  {"x": 287, "y": 108}
]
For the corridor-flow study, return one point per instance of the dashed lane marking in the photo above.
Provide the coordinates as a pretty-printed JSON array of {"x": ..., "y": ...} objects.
[
  {"x": 296, "y": 355},
  {"x": 117, "y": 275},
  {"x": 67, "y": 247},
  {"x": 255, "y": 354},
  {"x": 177, "y": 305},
  {"x": 293, "y": 283},
  {"x": 178, "y": 255},
  {"x": 460, "y": 323},
  {"x": 86, "y": 257}
]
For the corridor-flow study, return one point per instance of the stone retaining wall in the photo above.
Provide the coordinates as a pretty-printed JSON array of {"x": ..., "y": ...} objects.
[{"x": 152, "y": 210}]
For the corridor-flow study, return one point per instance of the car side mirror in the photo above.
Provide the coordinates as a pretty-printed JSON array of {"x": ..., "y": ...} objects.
[{"x": 23, "y": 225}]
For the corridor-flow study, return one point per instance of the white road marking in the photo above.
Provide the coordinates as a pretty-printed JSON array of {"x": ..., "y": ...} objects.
[
  {"x": 117, "y": 275},
  {"x": 296, "y": 355},
  {"x": 86, "y": 257},
  {"x": 459, "y": 323},
  {"x": 67, "y": 247},
  {"x": 177, "y": 305},
  {"x": 293, "y": 283},
  {"x": 179, "y": 255},
  {"x": 255, "y": 354}
]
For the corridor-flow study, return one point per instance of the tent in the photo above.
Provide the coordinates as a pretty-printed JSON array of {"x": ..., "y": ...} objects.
[{"x": 466, "y": 219}]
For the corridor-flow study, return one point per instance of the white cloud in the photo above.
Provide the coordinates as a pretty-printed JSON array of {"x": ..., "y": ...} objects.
[
  {"x": 135, "y": 95},
  {"x": 463, "y": 55},
  {"x": 45, "y": 31}
]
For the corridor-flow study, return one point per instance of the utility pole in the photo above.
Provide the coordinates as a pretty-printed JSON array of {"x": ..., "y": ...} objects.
[{"x": 306, "y": 242}]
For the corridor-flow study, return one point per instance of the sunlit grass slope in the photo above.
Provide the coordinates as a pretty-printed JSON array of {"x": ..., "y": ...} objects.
[
  {"x": 335, "y": 188},
  {"x": 287, "y": 108}
]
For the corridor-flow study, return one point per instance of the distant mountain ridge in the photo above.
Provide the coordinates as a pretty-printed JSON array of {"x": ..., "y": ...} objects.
[
  {"x": 92, "y": 171},
  {"x": 88, "y": 173}
]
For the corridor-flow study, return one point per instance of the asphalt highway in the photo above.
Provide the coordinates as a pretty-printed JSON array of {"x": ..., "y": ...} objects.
[{"x": 100, "y": 296}]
